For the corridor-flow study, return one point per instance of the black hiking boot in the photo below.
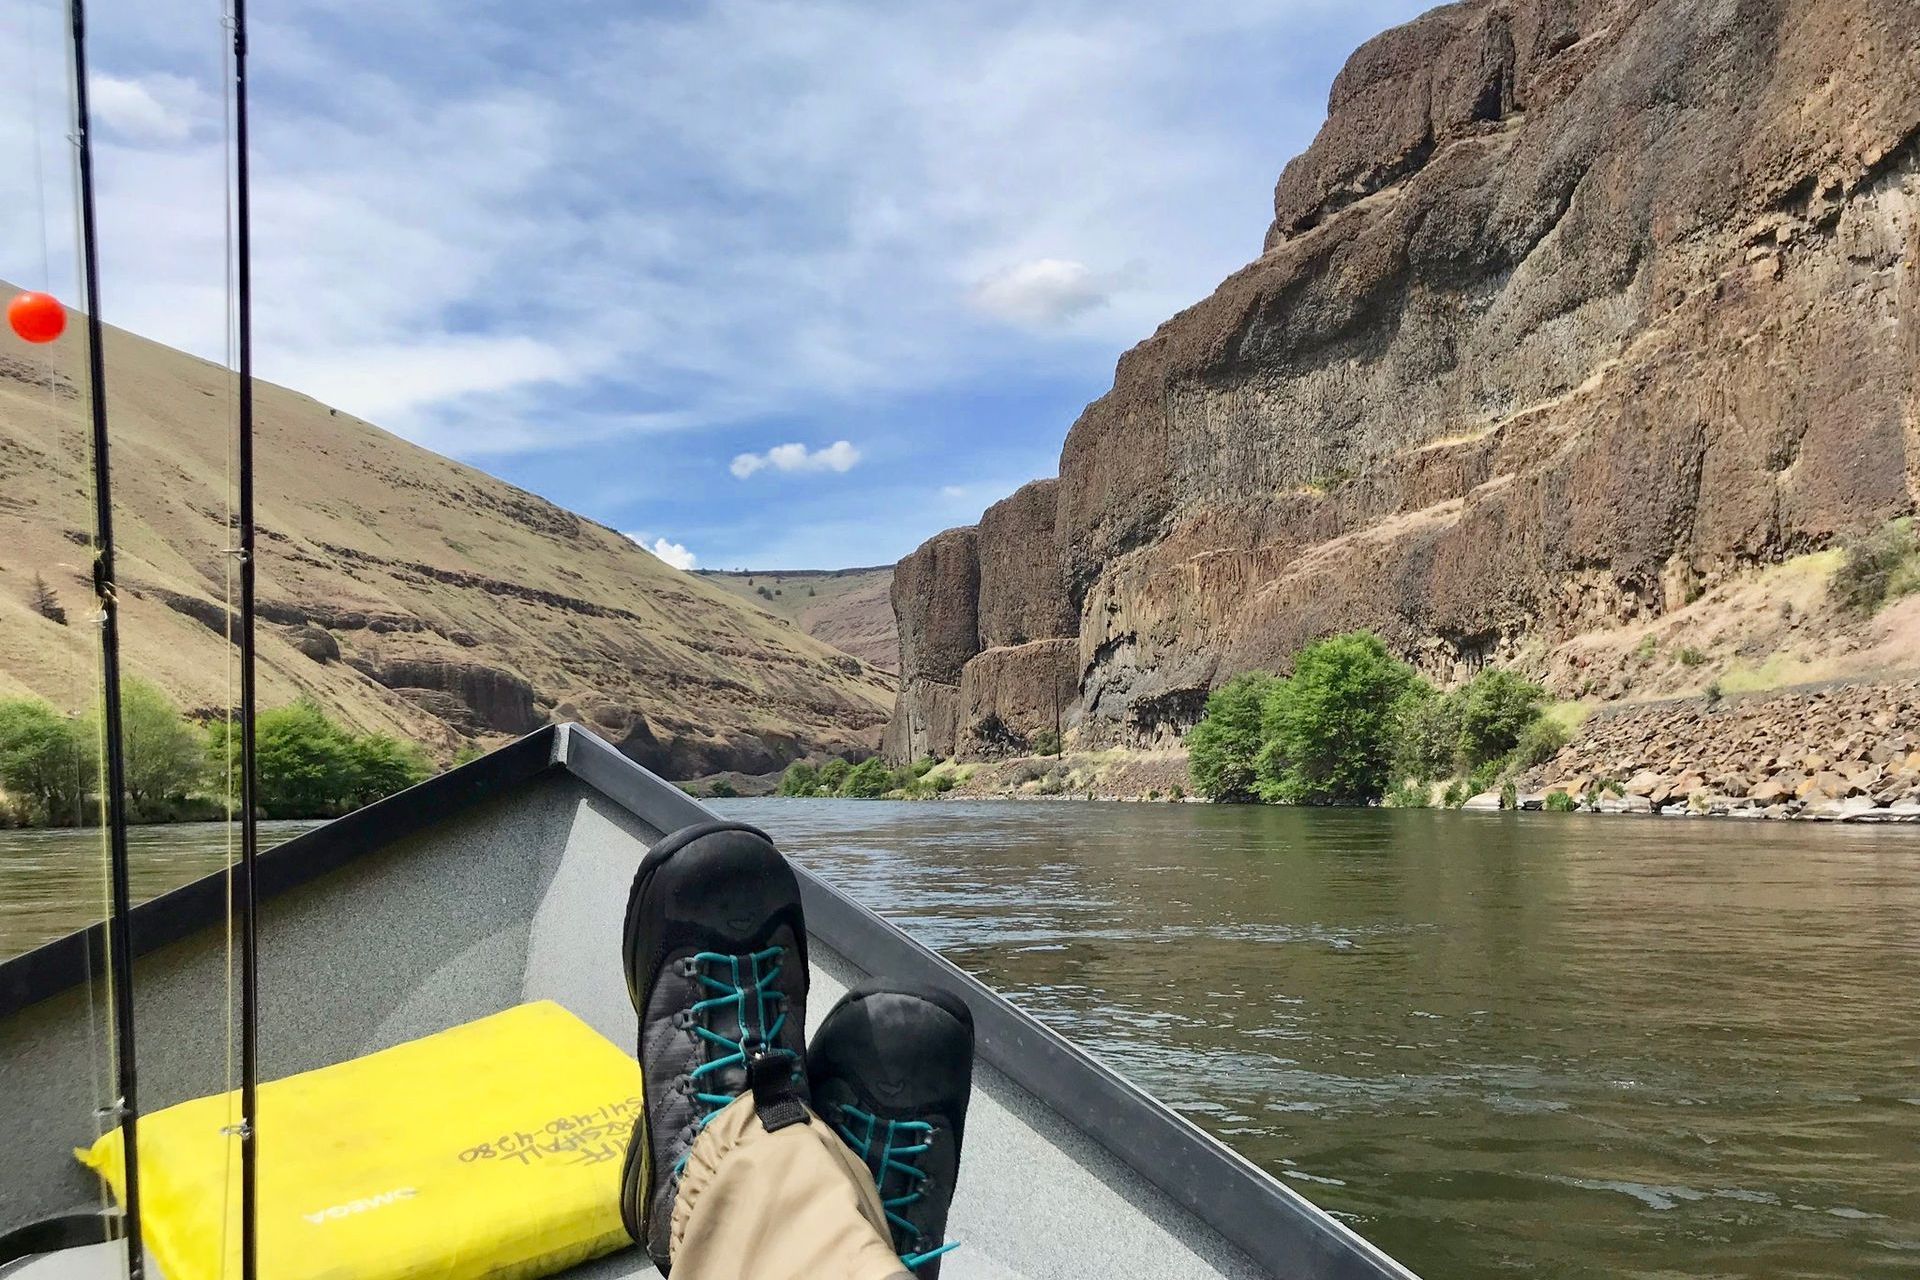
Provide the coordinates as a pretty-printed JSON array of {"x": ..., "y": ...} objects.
[
  {"x": 892, "y": 1069},
  {"x": 716, "y": 958}
]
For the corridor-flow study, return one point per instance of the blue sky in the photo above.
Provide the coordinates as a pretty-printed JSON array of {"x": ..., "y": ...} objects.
[{"x": 767, "y": 284}]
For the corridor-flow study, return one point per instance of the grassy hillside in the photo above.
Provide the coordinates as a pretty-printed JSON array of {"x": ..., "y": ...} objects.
[{"x": 406, "y": 592}]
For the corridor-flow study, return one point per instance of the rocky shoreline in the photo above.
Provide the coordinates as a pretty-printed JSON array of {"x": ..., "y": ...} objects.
[{"x": 1842, "y": 752}]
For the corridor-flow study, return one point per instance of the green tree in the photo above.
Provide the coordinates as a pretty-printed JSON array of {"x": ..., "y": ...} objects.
[
  {"x": 1496, "y": 707},
  {"x": 1045, "y": 743},
  {"x": 384, "y": 766},
  {"x": 1429, "y": 734},
  {"x": 165, "y": 759},
  {"x": 833, "y": 774},
  {"x": 1539, "y": 742},
  {"x": 307, "y": 766},
  {"x": 1222, "y": 747},
  {"x": 800, "y": 779},
  {"x": 868, "y": 780},
  {"x": 45, "y": 760},
  {"x": 1332, "y": 730}
]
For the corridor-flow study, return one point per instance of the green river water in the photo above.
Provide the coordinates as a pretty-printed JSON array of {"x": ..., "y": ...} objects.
[{"x": 1499, "y": 1045}]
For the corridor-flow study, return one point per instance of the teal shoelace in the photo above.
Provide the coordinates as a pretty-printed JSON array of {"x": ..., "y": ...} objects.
[
  {"x": 734, "y": 988},
  {"x": 900, "y": 1143}
]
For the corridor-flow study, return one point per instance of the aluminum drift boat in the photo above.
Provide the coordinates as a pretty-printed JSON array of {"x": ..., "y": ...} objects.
[{"x": 505, "y": 880}]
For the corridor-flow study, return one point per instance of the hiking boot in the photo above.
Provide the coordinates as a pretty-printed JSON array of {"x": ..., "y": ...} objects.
[
  {"x": 716, "y": 957},
  {"x": 892, "y": 1069}
]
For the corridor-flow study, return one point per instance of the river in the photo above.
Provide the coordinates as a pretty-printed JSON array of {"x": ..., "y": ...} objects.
[{"x": 1499, "y": 1045}]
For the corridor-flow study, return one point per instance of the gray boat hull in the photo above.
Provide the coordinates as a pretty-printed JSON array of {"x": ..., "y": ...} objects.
[{"x": 506, "y": 881}]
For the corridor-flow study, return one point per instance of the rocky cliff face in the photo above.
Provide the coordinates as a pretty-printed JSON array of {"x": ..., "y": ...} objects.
[
  {"x": 404, "y": 592},
  {"x": 1573, "y": 309}
]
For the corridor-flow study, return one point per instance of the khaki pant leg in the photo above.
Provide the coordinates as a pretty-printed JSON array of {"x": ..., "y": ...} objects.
[{"x": 792, "y": 1205}]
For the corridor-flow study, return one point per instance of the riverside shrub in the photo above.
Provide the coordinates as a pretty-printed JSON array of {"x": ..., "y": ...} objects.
[
  {"x": 1332, "y": 729},
  {"x": 1539, "y": 742},
  {"x": 1222, "y": 747},
  {"x": 800, "y": 779},
  {"x": 1429, "y": 734},
  {"x": 1354, "y": 725},
  {"x": 1877, "y": 567},
  {"x": 46, "y": 763},
  {"x": 868, "y": 780},
  {"x": 1496, "y": 707},
  {"x": 162, "y": 750},
  {"x": 833, "y": 775},
  {"x": 309, "y": 767}
]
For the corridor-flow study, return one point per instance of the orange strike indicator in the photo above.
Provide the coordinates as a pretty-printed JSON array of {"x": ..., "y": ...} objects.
[{"x": 37, "y": 317}]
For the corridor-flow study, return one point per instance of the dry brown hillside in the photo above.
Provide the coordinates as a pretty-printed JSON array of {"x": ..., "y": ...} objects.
[
  {"x": 404, "y": 591},
  {"x": 847, "y": 608}
]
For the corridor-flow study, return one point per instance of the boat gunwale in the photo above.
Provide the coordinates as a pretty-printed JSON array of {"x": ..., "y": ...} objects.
[{"x": 1237, "y": 1199}]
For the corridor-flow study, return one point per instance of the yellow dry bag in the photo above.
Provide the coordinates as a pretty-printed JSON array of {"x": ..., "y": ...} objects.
[{"x": 492, "y": 1149}]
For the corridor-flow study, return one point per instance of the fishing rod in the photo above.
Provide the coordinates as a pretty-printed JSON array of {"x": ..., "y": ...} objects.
[
  {"x": 125, "y": 1107},
  {"x": 244, "y": 884}
]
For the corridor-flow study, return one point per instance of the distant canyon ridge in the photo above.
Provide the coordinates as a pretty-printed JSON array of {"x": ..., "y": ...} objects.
[{"x": 1576, "y": 320}]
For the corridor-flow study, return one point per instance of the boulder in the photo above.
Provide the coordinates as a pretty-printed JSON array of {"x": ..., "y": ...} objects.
[
  {"x": 498, "y": 700},
  {"x": 444, "y": 706},
  {"x": 315, "y": 642},
  {"x": 1831, "y": 810},
  {"x": 1824, "y": 785}
]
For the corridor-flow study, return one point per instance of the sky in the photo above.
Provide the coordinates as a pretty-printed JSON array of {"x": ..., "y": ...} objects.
[{"x": 762, "y": 284}]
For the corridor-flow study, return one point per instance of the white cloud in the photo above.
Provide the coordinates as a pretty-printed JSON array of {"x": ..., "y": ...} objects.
[
  {"x": 389, "y": 383},
  {"x": 881, "y": 214},
  {"x": 159, "y": 108},
  {"x": 1042, "y": 293},
  {"x": 674, "y": 553},
  {"x": 838, "y": 456}
]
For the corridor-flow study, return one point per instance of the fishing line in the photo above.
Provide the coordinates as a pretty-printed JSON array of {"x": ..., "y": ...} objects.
[
  {"x": 99, "y": 1045},
  {"x": 249, "y": 832},
  {"x": 119, "y": 941},
  {"x": 226, "y": 599}
]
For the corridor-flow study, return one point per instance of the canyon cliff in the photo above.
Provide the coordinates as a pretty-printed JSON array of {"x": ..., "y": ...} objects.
[{"x": 1573, "y": 312}]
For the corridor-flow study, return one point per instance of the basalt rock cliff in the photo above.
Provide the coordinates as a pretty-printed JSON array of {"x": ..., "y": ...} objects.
[{"x": 1572, "y": 310}]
